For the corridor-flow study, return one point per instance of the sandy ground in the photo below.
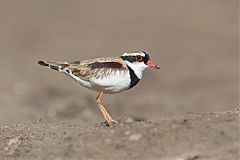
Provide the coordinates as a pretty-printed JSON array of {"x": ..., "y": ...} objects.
[
  {"x": 45, "y": 115},
  {"x": 194, "y": 136}
]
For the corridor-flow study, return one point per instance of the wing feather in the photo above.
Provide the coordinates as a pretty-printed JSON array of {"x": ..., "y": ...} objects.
[{"x": 97, "y": 68}]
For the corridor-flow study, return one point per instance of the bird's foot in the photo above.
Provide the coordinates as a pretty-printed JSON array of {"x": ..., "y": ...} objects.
[{"x": 110, "y": 122}]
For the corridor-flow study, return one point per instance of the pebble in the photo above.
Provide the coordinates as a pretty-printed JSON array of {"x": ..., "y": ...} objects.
[
  {"x": 39, "y": 120},
  {"x": 127, "y": 132},
  {"x": 135, "y": 137},
  {"x": 126, "y": 120},
  {"x": 155, "y": 130},
  {"x": 107, "y": 140}
]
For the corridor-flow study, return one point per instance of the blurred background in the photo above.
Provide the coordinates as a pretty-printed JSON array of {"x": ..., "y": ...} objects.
[{"x": 195, "y": 42}]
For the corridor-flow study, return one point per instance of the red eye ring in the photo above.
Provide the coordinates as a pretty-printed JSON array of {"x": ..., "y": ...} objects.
[{"x": 139, "y": 58}]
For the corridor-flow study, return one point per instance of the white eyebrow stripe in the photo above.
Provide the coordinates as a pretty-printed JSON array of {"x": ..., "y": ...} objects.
[{"x": 134, "y": 54}]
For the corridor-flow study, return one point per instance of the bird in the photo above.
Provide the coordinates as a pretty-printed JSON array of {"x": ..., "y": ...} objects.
[{"x": 106, "y": 75}]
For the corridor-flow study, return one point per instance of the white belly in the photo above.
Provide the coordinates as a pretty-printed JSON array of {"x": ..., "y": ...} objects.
[
  {"x": 110, "y": 84},
  {"x": 115, "y": 83}
]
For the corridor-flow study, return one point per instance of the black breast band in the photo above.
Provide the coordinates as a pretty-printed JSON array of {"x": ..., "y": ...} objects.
[{"x": 134, "y": 78}]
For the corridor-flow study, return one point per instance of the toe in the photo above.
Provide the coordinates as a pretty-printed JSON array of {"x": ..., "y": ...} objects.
[{"x": 111, "y": 122}]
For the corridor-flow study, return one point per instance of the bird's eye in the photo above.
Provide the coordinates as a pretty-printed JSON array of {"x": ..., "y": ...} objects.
[{"x": 138, "y": 58}]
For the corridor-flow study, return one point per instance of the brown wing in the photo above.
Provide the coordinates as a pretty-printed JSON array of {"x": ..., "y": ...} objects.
[{"x": 97, "y": 68}]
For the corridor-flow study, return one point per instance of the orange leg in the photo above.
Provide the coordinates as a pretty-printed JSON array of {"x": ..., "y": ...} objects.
[{"x": 104, "y": 112}]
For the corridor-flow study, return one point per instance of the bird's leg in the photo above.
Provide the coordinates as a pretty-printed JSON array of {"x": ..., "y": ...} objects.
[{"x": 105, "y": 114}]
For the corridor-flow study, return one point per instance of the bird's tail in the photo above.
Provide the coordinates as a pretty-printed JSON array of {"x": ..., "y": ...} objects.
[{"x": 54, "y": 65}]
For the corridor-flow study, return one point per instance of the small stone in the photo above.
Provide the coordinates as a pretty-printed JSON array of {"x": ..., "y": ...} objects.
[
  {"x": 127, "y": 132},
  {"x": 135, "y": 137},
  {"x": 126, "y": 120},
  {"x": 39, "y": 120},
  {"x": 112, "y": 131},
  {"x": 155, "y": 130},
  {"x": 6, "y": 126},
  {"x": 107, "y": 140}
]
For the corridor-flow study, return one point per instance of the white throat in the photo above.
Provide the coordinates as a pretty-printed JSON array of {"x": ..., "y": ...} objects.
[{"x": 137, "y": 67}]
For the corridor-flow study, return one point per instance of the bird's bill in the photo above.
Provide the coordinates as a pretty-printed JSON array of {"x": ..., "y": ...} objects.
[{"x": 153, "y": 65}]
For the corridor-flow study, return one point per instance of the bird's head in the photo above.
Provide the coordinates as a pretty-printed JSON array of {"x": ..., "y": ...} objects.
[{"x": 138, "y": 61}]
